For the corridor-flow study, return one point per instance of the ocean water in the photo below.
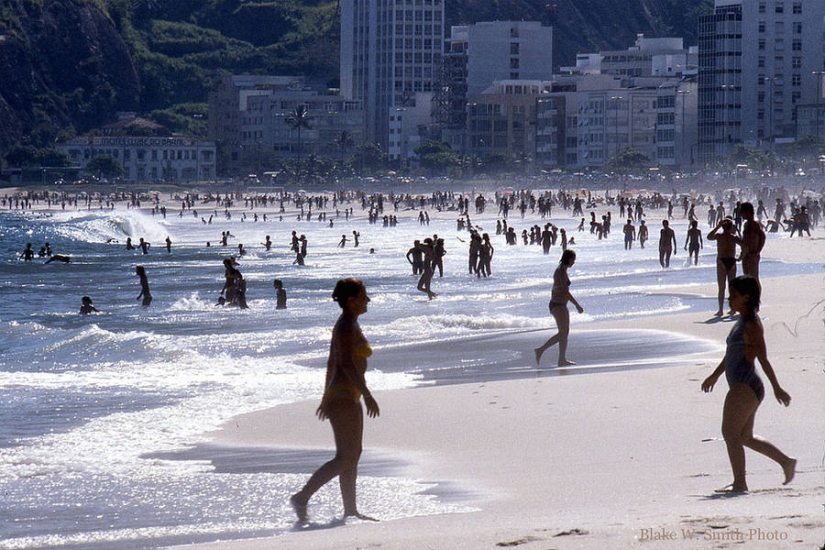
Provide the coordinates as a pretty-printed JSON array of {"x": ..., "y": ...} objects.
[{"x": 102, "y": 415}]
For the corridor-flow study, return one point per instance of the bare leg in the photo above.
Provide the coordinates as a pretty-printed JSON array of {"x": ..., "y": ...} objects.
[
  {"x": 347, "y": 419},
  {"x": 737, "y": 414},
  {"x": 562, "y": 317}
]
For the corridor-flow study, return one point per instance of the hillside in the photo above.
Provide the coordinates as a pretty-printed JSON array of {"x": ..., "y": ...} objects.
[{"x": 69, "y": 65}]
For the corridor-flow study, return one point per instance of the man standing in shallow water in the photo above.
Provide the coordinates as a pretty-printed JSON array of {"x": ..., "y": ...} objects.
[{"x": 667, "y": 244}]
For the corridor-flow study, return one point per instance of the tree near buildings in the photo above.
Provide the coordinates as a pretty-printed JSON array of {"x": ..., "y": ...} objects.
[
  {"x": 344, "y": 141},
  {"x": 369, "y": 158},
  {"x": 436, "y": 156},
  {"x": 105, "y": 166},
  {"x": 299, "y": 118}
]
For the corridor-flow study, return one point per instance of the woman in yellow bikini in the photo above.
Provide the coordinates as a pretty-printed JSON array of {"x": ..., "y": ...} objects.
[{"x": 341, "y": 404}]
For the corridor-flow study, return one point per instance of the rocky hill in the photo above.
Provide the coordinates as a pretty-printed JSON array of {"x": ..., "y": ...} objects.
[{"x": 69, "y": 65}]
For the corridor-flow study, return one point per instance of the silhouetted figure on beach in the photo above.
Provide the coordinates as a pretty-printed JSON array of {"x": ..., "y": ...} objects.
[
  {"x": 745, "y": 344},
  {"x": 341, "y": 403},
  {"x": 234, "y": 286},
  {"x": 629, "y": 232},
  {"x": 145, "y": 294},
  {"x": 415, "y": 256},
  {"x": 280, "y": 294},
  {"x": 667, "y": 244},
  {"x": 753, "y": 240},
  {"x": 693, "y": 241},
  {"x": 559, "y": 297},
  {"x": 643, "y": 235},
  {"x": 427, "y": 250},
  {"x": 726, "y": 242}
]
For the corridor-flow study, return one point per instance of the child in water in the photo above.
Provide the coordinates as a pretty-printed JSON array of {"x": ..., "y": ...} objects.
[{"x": 87, "y": 307}]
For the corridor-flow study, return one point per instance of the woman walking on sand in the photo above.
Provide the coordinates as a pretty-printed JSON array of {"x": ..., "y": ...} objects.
[
  {"x": 745, "y": 343},
  {"x": 341, "y": 404},
  {"x": 559, "y": 297}
]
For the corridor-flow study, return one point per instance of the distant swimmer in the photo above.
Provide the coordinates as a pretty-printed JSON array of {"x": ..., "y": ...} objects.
[
  {"x": 28, "y": 254},
  {"x": 58, "y": 258},
  {"x": 144, "y": 246},
  {"x": 559, "y": 297},
  {"x": 267, "y": 243},
  {"x": 86, "y": 306},
  {"x": 144, "y": 286},
  {"x": 168, "y": 244},
  {"x": 129, "y": 245}
]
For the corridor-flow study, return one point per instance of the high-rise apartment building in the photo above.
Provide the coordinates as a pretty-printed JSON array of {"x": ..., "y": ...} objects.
[
  {"x": 390, "y": 51},
  {"x": 759, "y": 61}
]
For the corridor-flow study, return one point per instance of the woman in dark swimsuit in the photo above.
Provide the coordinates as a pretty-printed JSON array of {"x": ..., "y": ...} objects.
[
  {"x": 745, "y": 343},
  {"x": 341, "y": 404},
  {"x": 559, "y": 297}
]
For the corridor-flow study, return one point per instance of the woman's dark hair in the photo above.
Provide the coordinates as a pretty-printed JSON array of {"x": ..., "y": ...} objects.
[
  {"x": 566, "y": 256},
  {"x": 346, "y": 289},
  {"x": 748, "y": 286}
]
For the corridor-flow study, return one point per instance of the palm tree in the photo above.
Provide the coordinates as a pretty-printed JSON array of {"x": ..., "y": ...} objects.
[
  {"x": 344, "y": 141},
  {"x": 297, "y": 119}
]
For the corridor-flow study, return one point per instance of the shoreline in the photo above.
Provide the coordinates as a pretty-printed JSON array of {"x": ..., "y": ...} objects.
[
  {"x": 615, "y": 459},
  {"x": 586, "y": 461}
]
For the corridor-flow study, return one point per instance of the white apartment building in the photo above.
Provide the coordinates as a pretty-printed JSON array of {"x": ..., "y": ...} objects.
[
  {"x": 161, "y": 158},
  {"x": 758, "y": 62},
  {"x": 390, "y": 51}
]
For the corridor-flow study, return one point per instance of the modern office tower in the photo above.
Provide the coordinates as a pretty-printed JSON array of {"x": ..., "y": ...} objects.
[
  {"x": 390, "y": 52},
  {"x": 759, "y": 61}
]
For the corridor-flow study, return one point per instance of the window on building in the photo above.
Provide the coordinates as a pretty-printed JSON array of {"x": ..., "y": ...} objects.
[
  {"x": 779, "y": 27},
  {"x": 797, "y": 8},
  {"x": 514, "y": 48},
  {"x": 796, "y": 45},
  {"x": 514, "y": 63},
  {"x": 762, "y": 43},
  {"x": 762, "y": 26},
  {"x": 779, "y": 45},
  {"x": 797, "y": 27},
  {"x": 760, "y": 62},
  {"x": 796, "y": 80},
  {"x": 779, "y": 7},
  {"x": 762, "y": 7}
]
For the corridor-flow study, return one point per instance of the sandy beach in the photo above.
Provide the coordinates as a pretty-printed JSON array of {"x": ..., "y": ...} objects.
[{"x": 619, "y": 459}]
